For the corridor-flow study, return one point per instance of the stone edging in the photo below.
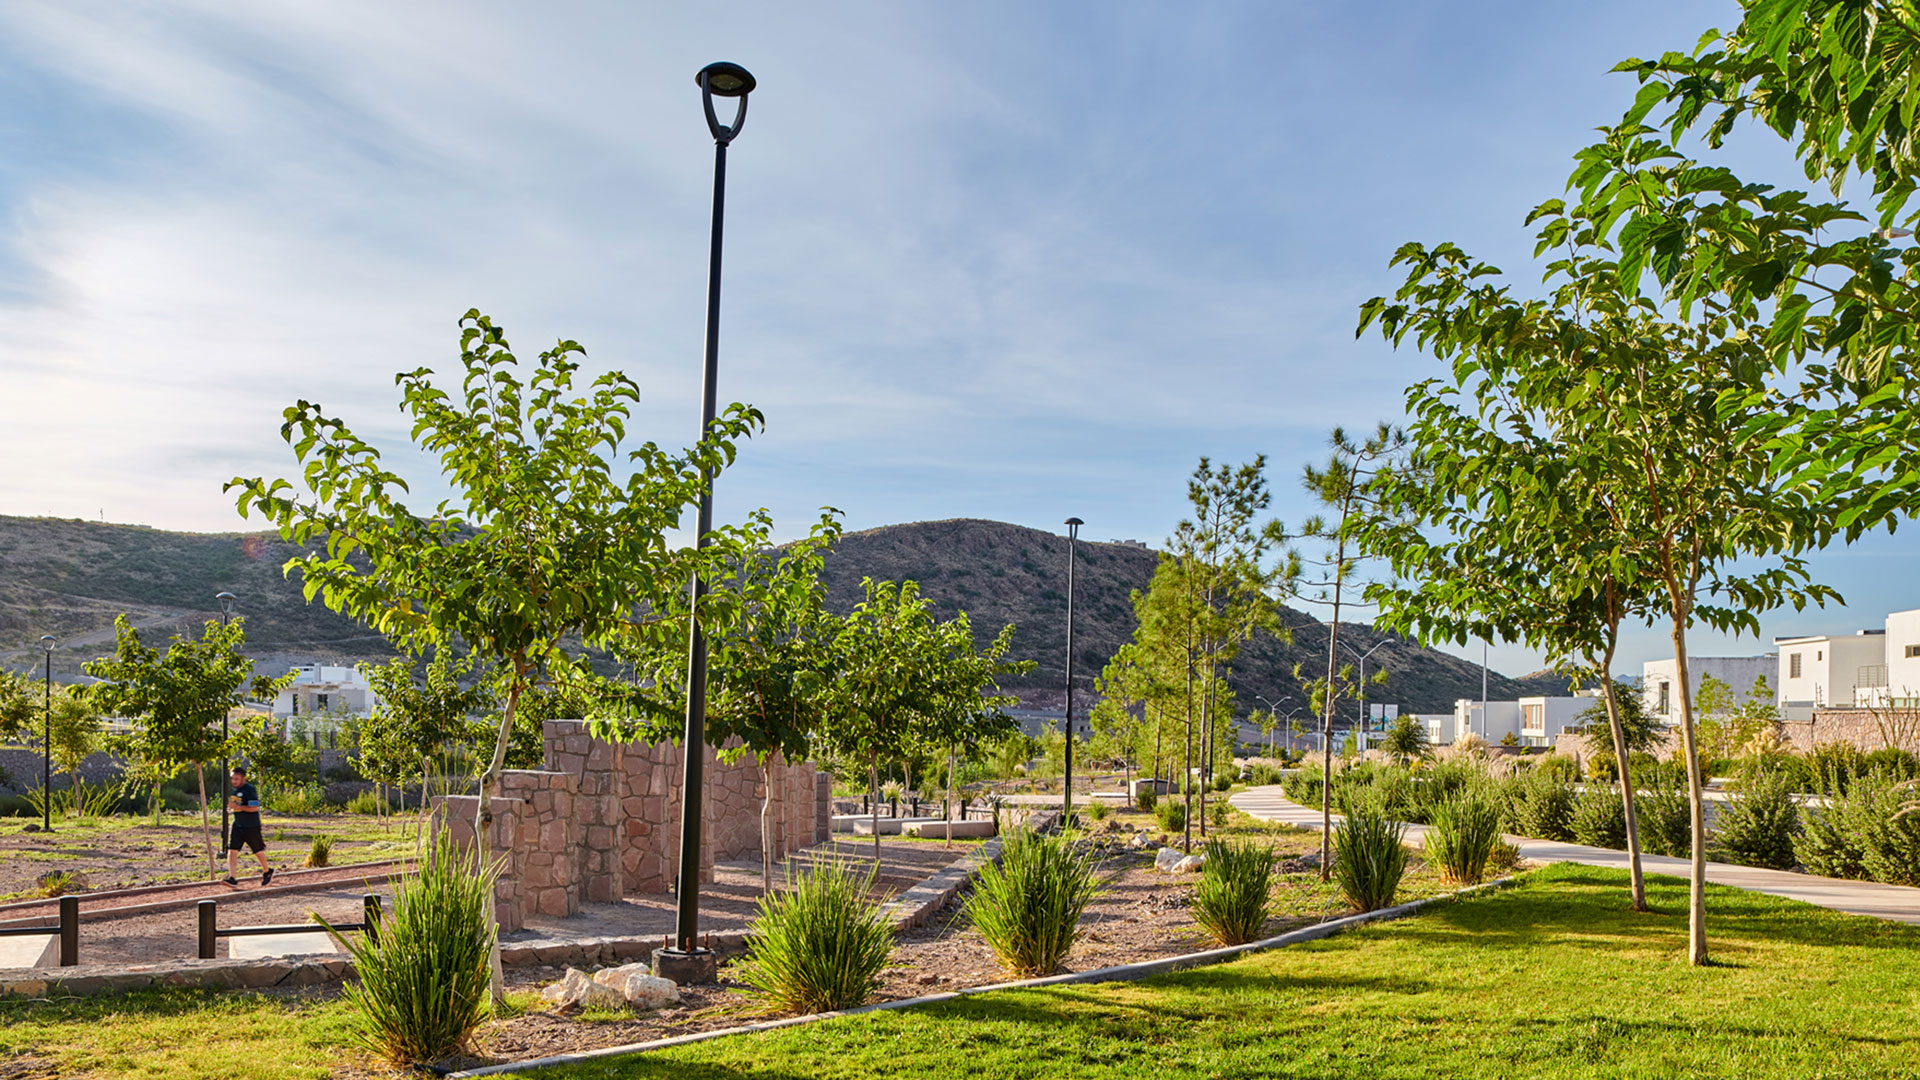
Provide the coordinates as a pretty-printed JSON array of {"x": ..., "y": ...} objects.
[{"x": 1122, "y": 972}]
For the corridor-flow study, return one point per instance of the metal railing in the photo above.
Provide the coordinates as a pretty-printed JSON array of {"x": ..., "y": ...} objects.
[
  {"x": 210, "y": 933},
  {"x": 68, "y": 928}
]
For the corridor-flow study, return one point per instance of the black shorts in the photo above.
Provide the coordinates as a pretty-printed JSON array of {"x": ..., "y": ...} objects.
[{"x": 247, "y": 836}]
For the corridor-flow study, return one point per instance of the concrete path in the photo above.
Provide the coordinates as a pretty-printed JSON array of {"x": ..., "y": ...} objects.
[{"x": 1895, "y": 902}]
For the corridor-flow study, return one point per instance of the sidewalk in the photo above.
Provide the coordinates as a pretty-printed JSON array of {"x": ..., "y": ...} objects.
[{"x": 1894, "y": 902}]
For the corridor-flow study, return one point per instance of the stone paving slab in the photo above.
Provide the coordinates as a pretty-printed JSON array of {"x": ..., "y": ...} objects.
[
  {"x": 270, "y": 946},
  {"x": 29, "y": 950},
  {"x": 1897, "y": 903}
]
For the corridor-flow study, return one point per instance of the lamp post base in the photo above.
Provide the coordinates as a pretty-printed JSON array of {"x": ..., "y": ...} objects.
[{"x": 687, "y": 967}]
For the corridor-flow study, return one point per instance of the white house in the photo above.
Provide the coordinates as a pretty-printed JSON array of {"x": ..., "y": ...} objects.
[
  {"x": 1823, "y": 671},
  {"x": 1660, "y": 695},
  {"x": 1493, "y": 723},
  {"x": 1900, "y": 678},
  {"x": 1532, "y": 721},
  {"x": 326, "y": 688}
]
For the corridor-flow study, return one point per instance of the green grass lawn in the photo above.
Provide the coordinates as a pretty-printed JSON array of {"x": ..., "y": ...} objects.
[{"x": 1551, "y": 978}]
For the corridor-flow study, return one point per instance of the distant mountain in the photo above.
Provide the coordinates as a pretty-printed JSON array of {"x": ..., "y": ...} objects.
[{"x": 70, "y": 578}]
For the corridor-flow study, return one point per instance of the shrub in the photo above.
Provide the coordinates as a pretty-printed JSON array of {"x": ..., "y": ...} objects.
[
  {"x": 1558, "y": 765},
  {"x": 367, "y": 802},
  {"x": 1757, "y": 826},
  {"x": 1145, "y": 798},
  {"x": 1599, "y": 818},
  {"x": 1172, "y": 816},
  {"x": 1862, "y": 833},
  {"x": 319, "y": 851},
  {"x": 423, "y": 978},
  {"x": 1261, "y": 775},
  {"x": 1218, "y": 814},
  {"x": 1461, "y": 838},
  {"x": 1096, "y": 810},
  {"x": 1232, "y": 900},
  {"x": 298, "y": 799},
  {"x": 1028, "y": 906},
  {"x": 1303, "y": 786},
  {"x": 1221, "y": 781},
  {"x": 1368, "y": 858},
  {"x": 1539, "y": 803},
  {"x": 1505, "y": 857},
  {"x": 1665, "y": 817},
  {"x": 58, "y": 883},
  {"x": 821, "y": 944},
  {"x": 1897, "y": 764},
  {"x": 1834, "y": 765}
]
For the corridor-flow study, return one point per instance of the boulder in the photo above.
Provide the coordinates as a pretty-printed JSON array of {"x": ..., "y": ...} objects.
[
  {"x": 576, "y": 990},
  {"x": 1167, "y": 857},
  {"x": 1189, "y": 865},
  {"x": 639, "y": 987}
]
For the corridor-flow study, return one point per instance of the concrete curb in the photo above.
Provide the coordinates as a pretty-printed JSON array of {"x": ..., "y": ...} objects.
[{"x": 1118, "y": 973}]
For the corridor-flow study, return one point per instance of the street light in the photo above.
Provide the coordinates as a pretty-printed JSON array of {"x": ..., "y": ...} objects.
[
  {"x": 1365, "y": 721},
  {"x": 1272, "y": 711},
  {"x": 227, "y": 600},
  {"x": 1066, "y": 798},
  {"x": 686, "y": 961},
  {"x": 46, "y": 747}
]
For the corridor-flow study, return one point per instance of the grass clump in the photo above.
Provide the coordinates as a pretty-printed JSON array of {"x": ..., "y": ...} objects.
[
  {"x": 1145, "y": 798},
  {"x": 1028, "y": 907},
  {"x": 1096, "y": 810},
  {"x": 1462, "y": 838},
  {"x": 1172, "y": 816},
  {"x": 1368, "y": 857},
  {"x": 319, "y": 850},
  {"x": 1233, "y": 899},
  {"x": 423, "y": 977},
  {"x": 819, "y": 945}
]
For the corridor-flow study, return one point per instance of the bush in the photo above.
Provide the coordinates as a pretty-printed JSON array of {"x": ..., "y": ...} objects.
[
  {"x": 1096, "y": 810},
  {"x": 1862, "y": 834},
  {"x": 1145, "y": 798},
  {"x": 1028, "y": 907},
  {"x": 423, "y": 978},
  {"x": 1218, "y": 814},
  {"x": 1539, "y": 803},
  {"x": 1558, "y": 765},
  {"x": 319, "y": 851},
  {"x": 1665, "y": 816},
  {"x": 1303, "y": 786},
  {"x": 1232, "y": 900},
  {"x": 1368, "y": 858},
  {"x": 821, "y": 944},
  {"x": 1261, "y": 775},
  {"x": 1505, "y": 857},
  {"x": 1897, "y": 764},
  {"x": 1599, "y": 818},
  {"x": 1757, "y": 826},
  {"x": 1834, "y": 765},
  {"x": 367, "y": 802},
  {"x": 1461, "y": 839},
  {"x": 1221, "y": 782},
  {"x": 302, "y": 799},
  {"x": 1172, "y": 816}
]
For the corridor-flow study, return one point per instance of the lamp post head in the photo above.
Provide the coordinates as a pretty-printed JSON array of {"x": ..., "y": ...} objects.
[
  {"x": 1074, "y": 524},
  {"x": 724, "y": 80},
  {"x": 227, "y": 600},
  {"x": 46, "y": 642}
]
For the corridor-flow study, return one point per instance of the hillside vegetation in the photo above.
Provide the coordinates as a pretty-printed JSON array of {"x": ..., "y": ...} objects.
[{"x": 70, "y": 578}]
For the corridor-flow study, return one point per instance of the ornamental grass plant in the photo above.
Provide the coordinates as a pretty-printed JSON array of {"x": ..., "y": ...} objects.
[
  {"x": 1028, "y": 907},
  {"x": 820, "y": 944},
  {"x": 1234, "y": 895},
  {"x": 1461, "y": 838},
  {"x": 1368, "y": 858},
  {"x": 422, "y": 987}
]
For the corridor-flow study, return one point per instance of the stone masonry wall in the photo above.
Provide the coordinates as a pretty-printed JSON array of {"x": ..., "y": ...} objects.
[
  {"x": 1857, "y": 726},
  {"x": 458, "y": 813}
]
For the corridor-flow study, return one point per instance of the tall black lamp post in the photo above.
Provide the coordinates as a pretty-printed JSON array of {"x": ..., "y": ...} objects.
[
  {"x": 227, "y": 600},
  {"x": 46, "y": 745},
  {"x": 686, "y": 961},
  {"x": 1066, "y": 800}
]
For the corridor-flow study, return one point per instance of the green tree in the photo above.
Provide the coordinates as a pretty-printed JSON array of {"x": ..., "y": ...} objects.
[
  {"x": 967, "y": 707},
  {"x": 1639, "y": 731},
  {"x": 1351, "y": 489},
  {"x": 19, "y": 705},
  {"x": 1406, "y": 739},
  {"x": 175, "y": 699},
  {"x": 542, "y": 541},
  {"x": 423, "y": 712},
  {"x": 76, "y": 735}
]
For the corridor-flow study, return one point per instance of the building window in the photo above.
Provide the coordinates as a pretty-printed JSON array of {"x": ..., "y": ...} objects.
[
  {"x": 1793, "y": 667},
  {"x": 1664, "y": 703},
  {"x": 320, "y": 700},
  {"x": 1535, "y": 718},
  {"x": 1913, "y": 651}
]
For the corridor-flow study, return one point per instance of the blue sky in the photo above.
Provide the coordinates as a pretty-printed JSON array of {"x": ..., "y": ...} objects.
[{"x": 1012, "y": 261}]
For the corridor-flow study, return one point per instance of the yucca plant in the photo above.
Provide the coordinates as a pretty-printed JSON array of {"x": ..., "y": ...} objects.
[
  {"x": 422, "y": 986},
  {"x": 1172, "y": 816},
  {"x": 1233, "y": 898},
  {"x": 319, "y": 851},
  {"x": 1096, "y": 810},
  {"x": 1461, "y": 838},
  {"x": 1368, "y": 858},
  {"x": 819, "y": 945},
  {"x": 1028, "y": 907}
]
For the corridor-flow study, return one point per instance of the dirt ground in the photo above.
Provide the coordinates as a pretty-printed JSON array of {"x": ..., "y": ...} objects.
[{"x": 126, "y": 852}]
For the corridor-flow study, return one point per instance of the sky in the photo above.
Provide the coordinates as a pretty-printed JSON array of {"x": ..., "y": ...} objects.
[{"x": 1001, "y": 260}]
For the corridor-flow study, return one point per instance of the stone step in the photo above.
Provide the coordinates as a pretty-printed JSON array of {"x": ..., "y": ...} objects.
[
  {"x": 273, "y": 946},
  {"x": 30, "y": 951}
]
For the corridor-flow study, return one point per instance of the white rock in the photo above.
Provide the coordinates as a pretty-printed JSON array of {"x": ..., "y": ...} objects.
[
  {"x": 646, "y": 991},
  {"x": 576, "y": 990},
  {"x": 1189, "y": 865},
  {"x": 1166, "y": 858},
  {"x": 616, "y": 977},
  {"x": 596, "y": 996}
]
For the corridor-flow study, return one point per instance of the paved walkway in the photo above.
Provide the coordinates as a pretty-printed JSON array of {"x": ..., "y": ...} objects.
[{"x": 1895, "y": 902}]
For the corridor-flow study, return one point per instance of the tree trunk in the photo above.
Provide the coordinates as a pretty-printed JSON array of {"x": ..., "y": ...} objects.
[
  {"x": 483, "y": 831},
  {"x": 873, "y": 777},
  {"x": 1696, "y": 804},
  {"x": 766, "y": 825},
  {"x": 1637, "y": 879},
  {"x": 1206, "y": 750},
  {"x": 948, "y": 809},
  {"x": 206, "y": 824}
]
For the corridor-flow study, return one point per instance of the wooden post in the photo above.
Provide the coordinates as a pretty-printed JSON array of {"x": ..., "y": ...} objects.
[
  {"x": 69, "y": 931},
  {"x": 370, "y": 914},
  {"x": 207, "y": 909}
]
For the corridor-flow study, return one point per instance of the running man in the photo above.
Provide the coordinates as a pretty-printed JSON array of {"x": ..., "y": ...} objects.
[{"x": 244, "y": 802}]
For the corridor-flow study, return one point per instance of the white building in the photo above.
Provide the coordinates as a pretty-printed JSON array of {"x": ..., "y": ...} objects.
[
  {"x": 1532, "y": 721},
  {"x": 1823, "y": 671},
  {"x": 1660, "y": 695},
  {"x": 1900, "y": 677},
  {"x": 325, "y": 688}
]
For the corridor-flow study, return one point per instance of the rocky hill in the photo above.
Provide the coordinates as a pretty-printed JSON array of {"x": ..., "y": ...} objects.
[{"x": 70, "y": 578}]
